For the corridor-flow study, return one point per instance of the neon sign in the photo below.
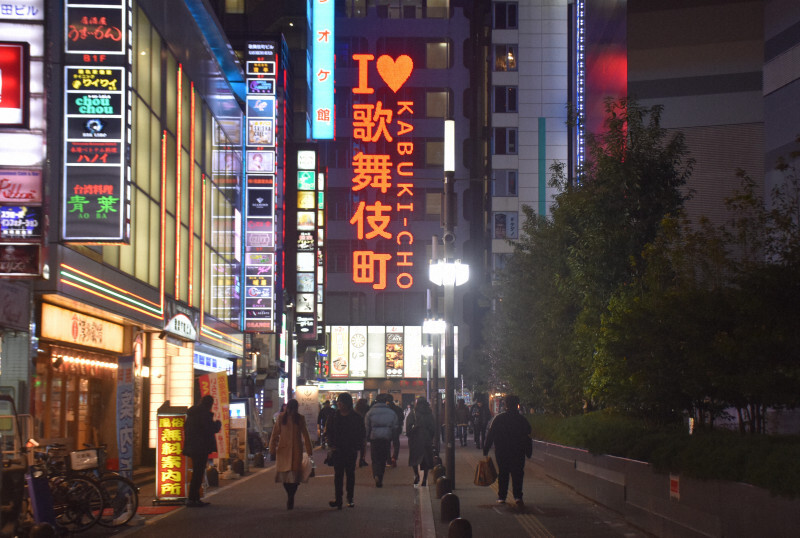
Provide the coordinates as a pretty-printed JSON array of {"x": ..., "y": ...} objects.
[
  {"x": 388, "y": 176},
  {"x": 13, "y": 84},
  {"x": 322, "y": 70}
]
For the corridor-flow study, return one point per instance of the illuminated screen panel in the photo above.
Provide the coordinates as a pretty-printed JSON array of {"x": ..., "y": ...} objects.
[
  {"x": 395, "y": 351},
  {"x": 309, "y": 221},
  {"x": 383, "y": 168},
  {"x": 94, "y": 193},
  {"x": 322, "y": 70},
  {"x": 358, "y": 351}
]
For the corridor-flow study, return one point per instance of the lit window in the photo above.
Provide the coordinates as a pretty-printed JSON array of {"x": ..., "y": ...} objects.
[
  {"x": 234, "y": 6},
  {"x": 437, "y": 56},
  {"x": 505, "y": 58}
]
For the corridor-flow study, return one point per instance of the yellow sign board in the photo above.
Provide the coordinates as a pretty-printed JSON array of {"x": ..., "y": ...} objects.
[{"x": 76, "y": 328}]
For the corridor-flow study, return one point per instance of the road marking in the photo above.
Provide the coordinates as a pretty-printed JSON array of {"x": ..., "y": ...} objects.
[{"x": 424, "y": 526}]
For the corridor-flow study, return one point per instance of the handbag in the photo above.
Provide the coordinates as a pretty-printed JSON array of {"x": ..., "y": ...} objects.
[
  {"x": 308, "y": 468},
  {"x": 329, "y": 457},
  {"x": 485, "y": 473}
]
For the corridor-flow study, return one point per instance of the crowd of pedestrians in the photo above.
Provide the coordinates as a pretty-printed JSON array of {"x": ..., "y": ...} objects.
[{"x": 346, "y": 430}]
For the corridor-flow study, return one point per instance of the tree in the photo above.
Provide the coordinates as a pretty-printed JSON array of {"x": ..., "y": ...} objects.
[{"x": 552, "y": 294}]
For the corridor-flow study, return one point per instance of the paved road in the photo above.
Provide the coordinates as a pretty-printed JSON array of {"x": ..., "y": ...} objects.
[{"x": 254, "y": 506}]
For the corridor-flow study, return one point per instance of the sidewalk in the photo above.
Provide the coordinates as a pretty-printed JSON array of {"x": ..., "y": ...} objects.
[{"x": 254, "y": 505}]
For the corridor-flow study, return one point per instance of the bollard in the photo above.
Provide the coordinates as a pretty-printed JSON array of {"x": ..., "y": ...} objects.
[
  {"x": 438, "y": 471},
  {"x": 443, "y": 487},
  {"x": 450, "y": 507},
  {"x": 459, "y": 528}
]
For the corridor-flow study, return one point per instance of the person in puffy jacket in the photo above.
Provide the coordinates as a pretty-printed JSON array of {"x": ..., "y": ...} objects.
[
  {"x": 381, "y": 423},
  {"x": 510, "y": 433}
]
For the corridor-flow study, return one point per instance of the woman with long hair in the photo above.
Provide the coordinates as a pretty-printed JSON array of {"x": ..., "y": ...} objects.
[
  {"x": 345, "y": 433},
  {"x": 288, "y": 437},
  {"x": 420, "y": 431}
]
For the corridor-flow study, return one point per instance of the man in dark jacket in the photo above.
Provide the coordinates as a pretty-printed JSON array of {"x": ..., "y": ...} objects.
[
  {"x": 510, "y": 433},
  {"x": 322, "y": 420},
  {"x": 199, "y": 442},
  {"x": 480, "y": 420}
]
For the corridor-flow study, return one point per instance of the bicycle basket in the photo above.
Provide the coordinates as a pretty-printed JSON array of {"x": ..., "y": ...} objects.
[{"x": 81, "y": 460}]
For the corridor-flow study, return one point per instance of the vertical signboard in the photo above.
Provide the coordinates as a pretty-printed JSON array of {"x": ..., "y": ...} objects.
[
  {"x": 21, "y": 222},
  {"x": 338, "y": 351},
  {"x": 126, "y": 407},
  {"x": 94, "y": 194},
  {"x": 310, "y": 257},
  {"x": 358, "y": 351},
  {"x": 395, "y": 352},
  {"x": 171, "y": 469},
  {"x": 260, "y": 168},
  {"x": 383, "y": 172},
  {"x": 322, "y": 70}
]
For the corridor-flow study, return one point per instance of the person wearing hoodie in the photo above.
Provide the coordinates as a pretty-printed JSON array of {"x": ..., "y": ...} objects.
[
  {"x": 199, "y": 431},
  {"x": 381, "y": 423}
]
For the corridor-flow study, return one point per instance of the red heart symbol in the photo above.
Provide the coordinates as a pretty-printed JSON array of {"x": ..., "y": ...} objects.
[{"x": 395, "y": 73}]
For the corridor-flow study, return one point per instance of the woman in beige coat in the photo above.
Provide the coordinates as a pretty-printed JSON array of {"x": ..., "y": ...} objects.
[{"x": 288, "y": 437}]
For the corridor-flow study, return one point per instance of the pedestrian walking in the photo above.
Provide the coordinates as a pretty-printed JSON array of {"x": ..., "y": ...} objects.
[
  {"x": 396, "y": 434},
  {"x": 480, "y": 420},
  {"x": 325, "y": 413},
  {"x": 510, "y": 433},
  {"x": 420, "y": 430},
  {"x": 289, "y": 438},
  {"x": 199, "y": 442},
  {"x": 462, "y": 421},
  {"x": 381, "y": 423},
  {"x": 361, "y": 407},
  {"x": 345, "y": 434}
]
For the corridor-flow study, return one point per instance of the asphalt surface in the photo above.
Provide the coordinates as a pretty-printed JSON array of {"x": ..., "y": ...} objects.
[{"x": 254, "y": 505}]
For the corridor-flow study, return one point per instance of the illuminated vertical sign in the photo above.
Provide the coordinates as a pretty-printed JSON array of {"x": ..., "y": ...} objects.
[
  {"x": 395, "y": 352},
  {"x": 383, "y": 166},
  {"x": 171, "y": 469},
  {"x": 339, "y": 351},
  {"x": 94, "y": 195},
  {"x": 261, "y": 183},
  {"x": 358, "y": 351},
  {"x": 322, "y": 70},
  {"x": 310, "y": 260}
]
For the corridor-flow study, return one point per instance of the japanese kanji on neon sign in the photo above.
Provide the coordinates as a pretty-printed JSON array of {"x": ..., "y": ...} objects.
[{"x": 389, "y": 176}]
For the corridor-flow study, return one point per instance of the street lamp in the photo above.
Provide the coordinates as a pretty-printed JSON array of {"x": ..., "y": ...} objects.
[{"x": 449, "y": 273}]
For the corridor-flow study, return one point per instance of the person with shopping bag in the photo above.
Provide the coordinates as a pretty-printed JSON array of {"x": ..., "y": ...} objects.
[
  {"x": 510, "y": 433},
  {"x": 345, "y": 433},
  {"x": 289, "y": 436}
]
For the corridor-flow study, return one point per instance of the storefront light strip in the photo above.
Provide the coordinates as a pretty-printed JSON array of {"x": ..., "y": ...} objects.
[
  {"x": 178, "y": 177},
  {"x": 109, "y": 294},
  {"x": 86, "y": 362},
  {"x": 190, "y": 299},
  {"x": 219, "y": 337},
  {"x": 162, "y": 260}
]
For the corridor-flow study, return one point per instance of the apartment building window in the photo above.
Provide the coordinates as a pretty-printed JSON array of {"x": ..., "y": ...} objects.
[
  {"x": 433, "y": 205},
  {"x": 505, "y": 99},
  {"x": 505, "y": 225},
  {"x": 437, "y": 104},
  {"x": 505, "y": 57},
  {"x": 351, "y": 8},
  {"x": 505, "y": 183},
  {"x": 505, "y": 15},
  {"x": 437, "y": 55},
  {"x": 434, "y": 153},
  {"x": 504, "y": 141},
  {"x": 234, "y": 6},
  {"x": 437, "y": 9}
]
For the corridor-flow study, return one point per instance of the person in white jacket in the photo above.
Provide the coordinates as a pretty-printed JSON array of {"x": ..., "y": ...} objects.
[{"x": 381, "y": 424}]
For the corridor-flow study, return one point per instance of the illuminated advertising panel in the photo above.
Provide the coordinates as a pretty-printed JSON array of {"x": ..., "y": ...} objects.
[
  {"x": 13, "y": 84},
  {"x": 395, "y": 351},
  {"x": 339, "y": 350},
  {"x": 260, "y": 167},
  {"x": 358, "y": 351},
  {"x": 94, "y": 194},
  {"x": 383, "y": 166},
  {"x": 23, "y": 10},
  {"x": 412, "y": 351},
  {"x": 322, "y": 66},
  {"x": 19, "y": 223},
  {"x": 172, "y": 475},
  {"x": 21, "y": 186}
]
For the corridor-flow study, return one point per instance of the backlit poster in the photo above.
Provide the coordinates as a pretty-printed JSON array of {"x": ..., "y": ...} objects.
[
  {"x": 376, "y": 351},
  {"x": 412, "y": 351},
  {"x": 395, "y": 353},
  {"x": 339, "y": 350},
  {"x": 13, "y": 84},
  {"x": 358, "y": 351}
]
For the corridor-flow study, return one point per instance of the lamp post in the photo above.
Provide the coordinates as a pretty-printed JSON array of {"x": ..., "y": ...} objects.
[
  {"x": 434, "y": 328},
  {"x": 449, "y": 273}
]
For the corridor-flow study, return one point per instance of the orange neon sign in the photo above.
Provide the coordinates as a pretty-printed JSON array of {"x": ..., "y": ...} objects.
[{"x": 387, "y": 176}]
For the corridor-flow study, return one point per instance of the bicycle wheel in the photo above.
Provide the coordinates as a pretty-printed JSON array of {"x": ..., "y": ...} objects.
[
  {"x": 121, "y": 499},
  {"x": 77, "y": 501}
]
